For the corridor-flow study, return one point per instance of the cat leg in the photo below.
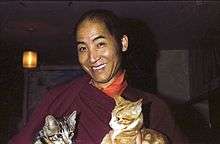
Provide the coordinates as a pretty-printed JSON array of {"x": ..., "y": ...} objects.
[{"x": 139, "y": 138}]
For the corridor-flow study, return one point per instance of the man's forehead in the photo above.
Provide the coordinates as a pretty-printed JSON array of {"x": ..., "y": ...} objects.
[
  {"x": 91, "y": 30},
  {"x": 93, "y": 36}
]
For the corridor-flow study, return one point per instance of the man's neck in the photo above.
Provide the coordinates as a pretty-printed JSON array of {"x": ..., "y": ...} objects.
[
  {"x": 116, "y": 86},
  {"x": 101, "y": 86}
]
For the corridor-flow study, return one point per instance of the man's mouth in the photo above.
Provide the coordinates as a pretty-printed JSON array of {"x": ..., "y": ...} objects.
[{"x": 98, "y": 67}]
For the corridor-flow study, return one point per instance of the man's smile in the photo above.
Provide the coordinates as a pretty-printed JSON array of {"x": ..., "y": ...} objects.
[{"x": 98, "y": 67}]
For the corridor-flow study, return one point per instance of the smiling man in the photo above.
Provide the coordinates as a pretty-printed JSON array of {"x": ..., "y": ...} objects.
[
  {"x": 98, "y": 51},
  {"x": 100, "y": 43}
]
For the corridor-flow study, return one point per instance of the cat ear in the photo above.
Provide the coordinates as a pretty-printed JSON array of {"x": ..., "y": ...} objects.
[
  {"x": 51, "y": 124},
  {"x": 138, "y": 105},
  {"x": 72, "y": 119},
  {"x": 51, "y": 121},
  {"x": 139, "y": 102},
  {"x": 119, "y": 100}
]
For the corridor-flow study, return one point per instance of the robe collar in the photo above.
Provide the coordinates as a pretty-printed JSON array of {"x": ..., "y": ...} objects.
[{"x": 117, "y": 86}]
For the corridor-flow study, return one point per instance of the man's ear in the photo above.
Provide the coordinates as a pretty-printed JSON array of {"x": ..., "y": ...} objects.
[{"x": 124, "y": 42}]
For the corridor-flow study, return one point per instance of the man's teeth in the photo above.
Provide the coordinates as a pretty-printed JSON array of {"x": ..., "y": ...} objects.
[{"x": 99, "y": 67}]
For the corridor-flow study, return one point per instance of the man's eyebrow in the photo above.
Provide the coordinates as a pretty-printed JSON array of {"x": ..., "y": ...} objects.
[
  {"x": 98, "y": 37},
  {"x": 79, "y": 42}
]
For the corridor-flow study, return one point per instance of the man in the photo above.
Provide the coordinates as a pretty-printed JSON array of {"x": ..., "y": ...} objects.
[{"x": 100, "y": 43}]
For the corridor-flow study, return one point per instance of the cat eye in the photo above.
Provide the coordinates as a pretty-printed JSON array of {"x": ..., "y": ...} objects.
[
  {"x": 59, "y": 135},
  {"x": 53, "y": 138},
  {"x": 71, "y": 134},
  {"x": 126, "y": 119}
]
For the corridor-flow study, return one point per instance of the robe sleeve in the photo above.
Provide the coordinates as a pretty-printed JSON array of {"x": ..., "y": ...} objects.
[
  {"x": 35, "y": 123},
  {"x": 161, "y": 119},
  {"x": 60, "y": 96}
]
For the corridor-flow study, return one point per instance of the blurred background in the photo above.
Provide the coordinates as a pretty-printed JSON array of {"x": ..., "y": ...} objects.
[{"x": 174, "y": 50}]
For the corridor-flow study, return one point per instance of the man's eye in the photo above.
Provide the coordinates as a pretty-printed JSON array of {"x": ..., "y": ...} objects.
[
  {"x": 101, "y": 45},
  {"x": 82, "y": 49}
]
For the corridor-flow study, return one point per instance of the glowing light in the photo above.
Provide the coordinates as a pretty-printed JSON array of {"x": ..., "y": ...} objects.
[{"x": 29, "y": 59}]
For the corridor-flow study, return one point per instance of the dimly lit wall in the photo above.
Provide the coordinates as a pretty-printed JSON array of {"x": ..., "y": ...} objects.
[{"x": 176, "y": 24}]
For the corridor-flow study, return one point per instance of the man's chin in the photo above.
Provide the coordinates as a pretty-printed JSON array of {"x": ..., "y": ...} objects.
[{"x": 101, "y": 80}]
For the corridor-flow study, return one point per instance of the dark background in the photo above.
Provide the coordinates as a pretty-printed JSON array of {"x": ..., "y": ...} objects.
[{"x": 47, "y": 27}]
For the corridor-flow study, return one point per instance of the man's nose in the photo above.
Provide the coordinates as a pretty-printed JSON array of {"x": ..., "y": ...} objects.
[{"x": 93, "y": 56}]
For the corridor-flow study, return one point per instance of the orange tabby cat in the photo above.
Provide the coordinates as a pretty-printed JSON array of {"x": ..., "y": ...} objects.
[{"x": 127, "y": 125}]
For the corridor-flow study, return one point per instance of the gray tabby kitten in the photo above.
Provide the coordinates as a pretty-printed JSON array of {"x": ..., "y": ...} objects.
[{"x": 56, "y": 131}]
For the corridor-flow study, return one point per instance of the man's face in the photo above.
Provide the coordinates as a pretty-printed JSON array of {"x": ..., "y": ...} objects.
[{"x": 98, "y": 51}]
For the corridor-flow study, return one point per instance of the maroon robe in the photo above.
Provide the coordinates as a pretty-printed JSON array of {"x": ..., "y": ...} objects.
[{"x": 94, "y": 112}]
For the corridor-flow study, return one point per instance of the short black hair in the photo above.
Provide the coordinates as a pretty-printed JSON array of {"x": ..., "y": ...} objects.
[{"x": 112, "y": 22}]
